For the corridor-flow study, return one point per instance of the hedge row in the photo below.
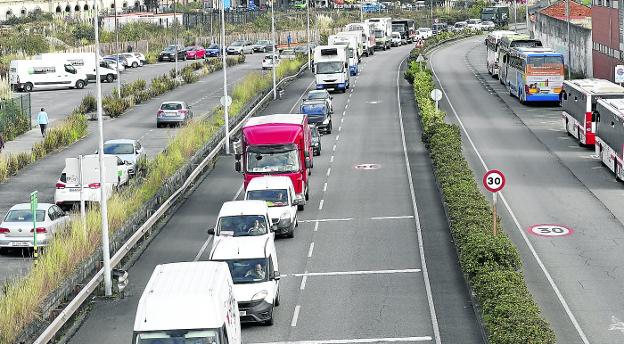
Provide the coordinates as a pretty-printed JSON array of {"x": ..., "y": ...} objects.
[{"x": 490, "y": 262}]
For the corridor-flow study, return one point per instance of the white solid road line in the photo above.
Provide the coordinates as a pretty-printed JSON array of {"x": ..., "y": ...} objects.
[
  {"x": 421, "y": 249},
  {"x": 360, "y": 340},
  {"x": 300, "y": 97},
  {"x": 360, "y": 272},
  {"x": 293, "y": 323},
  {"x": 311, "y": 249},
  {"x": 326, "y": 220},
  {"x": 552, "y": 283},
  {"x": 392, "y": 217}
]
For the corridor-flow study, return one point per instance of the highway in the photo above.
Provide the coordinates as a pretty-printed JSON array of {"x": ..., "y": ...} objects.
[
  {"x": 372, "y": 259},
  {"x": 576, "y": 279},
  {"x": 137, "y": 123}
]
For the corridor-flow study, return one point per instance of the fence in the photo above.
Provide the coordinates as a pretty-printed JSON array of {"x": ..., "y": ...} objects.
[{"x": 15, "y": 116}]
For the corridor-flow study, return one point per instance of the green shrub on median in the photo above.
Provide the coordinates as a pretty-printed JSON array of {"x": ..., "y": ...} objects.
[
  {"x": 20, "y": 305},
  {"x": 490, "y": 262}
]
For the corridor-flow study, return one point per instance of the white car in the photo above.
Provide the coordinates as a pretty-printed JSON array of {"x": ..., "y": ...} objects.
[
  {"x": 267, "y": 62},
  {"x": 396, "y": 39},
  {"x": 474, "y": 24},
  {"x": 255, "y": 273},
  {"x": 240, "y": 48},
  {"x": 106, "y": 63},
  {"x": 16, "y": 230},
  {"x": 127, "y": 150},
  {"x": 279, "y": 194},
  {"x": 459, "y": 26},
  {"x": 141, "y": 57},
  {"x": 488, "y": 25},
  {"x": 133, "y": 61},
  {"x": 424, "y": 32}
]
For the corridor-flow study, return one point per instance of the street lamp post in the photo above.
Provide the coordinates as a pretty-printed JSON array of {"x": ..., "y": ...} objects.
[
  {"x": 308, "y": 32},
  {"x": 177, "y": 40},
  {"x": 361, "y": 11},
  {"x": 97, "y": 63},
  {"x": 225, "y": 92},
  {"x": 274, "y": 50},
  {"x": 108, "y": 284},
  {"x": 569, "y": 51}
]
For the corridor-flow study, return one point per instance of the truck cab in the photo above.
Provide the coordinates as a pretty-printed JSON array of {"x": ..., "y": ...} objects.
[
  {"x": 281, "y": 200},
  {"x": 331, "y": 67}
]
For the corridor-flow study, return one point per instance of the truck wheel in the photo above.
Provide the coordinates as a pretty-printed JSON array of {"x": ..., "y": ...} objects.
[
  {"x": 28, "y": 87},
  {"x": 110, "y": 78},
  {"x": 80, "y": 84}
]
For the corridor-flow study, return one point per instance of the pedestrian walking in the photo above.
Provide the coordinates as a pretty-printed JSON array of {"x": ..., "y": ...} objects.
[
  {"x": 42, "y": 120},
  {"x": 289, "y": 39},
  {"x": 1, "y": 142}
]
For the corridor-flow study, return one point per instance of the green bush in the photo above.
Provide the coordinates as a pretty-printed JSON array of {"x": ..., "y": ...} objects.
[
  {"x": 88, "y": 104},
  {"x": 13, "y": 121},
  {"x": 114, "y": 106},
  {"x": 189, "y": 76}
]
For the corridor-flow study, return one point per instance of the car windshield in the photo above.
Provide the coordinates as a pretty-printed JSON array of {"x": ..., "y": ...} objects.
[
  {"x": 237, "y": 44},
  {"x": 262, "y": 42},
  {"x": 242, "y": 225},
  {"x": 317, "y": 95},
  {"x": 273, "y": 197},
  {"x": 213, "y": 46},
  {"x": 248, "y": 270},
  {"x": 329, "y": 67},
  {"x": 24, "y": 215},
  {"x": 171, "y": 106},
  {"x": 273, "y": 162},
  {"x": 314, "y": 108},
  {"x": 170, "y": 48},
  {"x": 179, "y": 337},
  {"x": 119, "y": 148}
]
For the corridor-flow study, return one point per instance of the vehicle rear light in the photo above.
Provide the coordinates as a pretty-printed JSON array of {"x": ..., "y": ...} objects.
[
  {"x": 160, "y": 113},
  {"x": 60, "y": 185},
  {"x": 94, "y": 186},
  {"x": 40, "y": 230},
  {"x": 4, "y": 230},
  {"x": 184, "y": 112}
]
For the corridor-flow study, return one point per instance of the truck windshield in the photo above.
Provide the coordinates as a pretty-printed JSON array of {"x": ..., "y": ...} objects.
[
  {"x": 273, "y": 197},
  {"x": 379, "y": 34},
  {"x": 398, "y": 27},
  {"x": 242, "y": 225},
  {"x": 248, "y": 270},
  {"x": 329, "y": 67},
  {"x": 273, "y": 162},
  {"x": 178, "y": 337}
]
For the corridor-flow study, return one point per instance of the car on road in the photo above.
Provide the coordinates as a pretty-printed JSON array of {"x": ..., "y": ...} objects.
[
  {"x": 321, "y": 95},
  {"x": 279, "y": 194},
  {"x": 318, "y": 114},
  {"x": 133, "y": 60},
  {"x": 195, "y": 52},
  {"x": 240, "y": 48},
  {"x": 459, "y": 26},
  {"x": 213, "y": 50},
  {"x": 112, "y": 64},
  {"x": 128, "y": 150},
  {"x": 16, "y": 230},
  {"x": 118, "y": 58},
  {"x": 488, "y": 25},
  {"x": 176, "y": 113},
  {"x": 169, "y": 53},
  {"x": 439, "y": 27},
  {"x": 474, "y": 24},
  {"x": 267, "y": 62},
  {"x": 302, "y": 49},
  {"x": 396, "y": 39},
  {"x": 140, "y": 56},
  {"x": 288, "y": 53},
  {"x": 424, "y": 32},
  {"x": 263, "y": 45},
  {"x": 316, "y": 140},
  {"x": 243, "y": 219}
]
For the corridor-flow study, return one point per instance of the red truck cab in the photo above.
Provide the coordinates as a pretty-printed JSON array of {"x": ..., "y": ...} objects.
[{"x": 278, "y": 145}]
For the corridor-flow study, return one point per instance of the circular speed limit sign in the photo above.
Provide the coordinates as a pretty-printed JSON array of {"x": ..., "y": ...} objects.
[{"x": 494, "y": 180}]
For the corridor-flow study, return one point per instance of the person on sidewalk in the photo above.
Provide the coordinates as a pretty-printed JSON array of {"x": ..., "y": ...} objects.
[
  {"x": 1, "y": 142},
  {"x": 42, "y": 120},
  {"x": 289, "y": 39}
]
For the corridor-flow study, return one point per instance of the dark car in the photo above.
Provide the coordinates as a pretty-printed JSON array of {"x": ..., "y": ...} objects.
[
  {"x": 213, "y": 50},
  {"x": 318, "y": 114},
  {"x": 316, "y": 140},
  {"x": 263, "y": 46},
  {"x": 169, "y": 53}
]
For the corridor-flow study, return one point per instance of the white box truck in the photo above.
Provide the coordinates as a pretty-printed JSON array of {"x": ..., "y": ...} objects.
[
  {"x": 331, "y": 67},
  {"x": 368, "y": 36},
  {"x": 382, "y": 31},
  {"x": 351, "y": 44},
  {"x": 83, "y": 62},
  {"x": 29, "y": 75},
  {"x": 188, "y": 302},
  {"x": 356, "y": 36}
]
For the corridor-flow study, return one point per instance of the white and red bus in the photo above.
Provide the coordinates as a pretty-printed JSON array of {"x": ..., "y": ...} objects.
[
  {"x": 609, "y": 146},
  {"x": 578, "y": 99}
]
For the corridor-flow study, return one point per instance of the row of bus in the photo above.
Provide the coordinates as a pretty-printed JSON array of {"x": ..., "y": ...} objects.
[{"x": 530, "y": 71}]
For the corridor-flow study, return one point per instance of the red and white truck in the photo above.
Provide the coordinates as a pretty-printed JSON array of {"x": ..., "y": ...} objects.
[{"x": 277, "y": 145}]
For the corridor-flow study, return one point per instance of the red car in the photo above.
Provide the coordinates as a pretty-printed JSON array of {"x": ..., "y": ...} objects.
[{"x": 195, "y": 52}]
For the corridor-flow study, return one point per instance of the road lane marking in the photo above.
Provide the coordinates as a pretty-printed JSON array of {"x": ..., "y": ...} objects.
[
  {"x": 324, "y": 187},
  {"x": 293, "y": 323},
  {"x": 303, "y": 282},
  {"x": 316, "y": 226},
  {"x": 311, "y": 250},
  {"x": 328, "y": 171},
  {"x": 551, "y": 281},
  {"x": 356, "y": 340},
  {"x": 331, "y": 160},
  {"x": 421, "y": 249},
  {"x": 298, "y": 99},
  {"x": 344, "y": 112},
  {"x": 358, "y": 272},
  {"x": 340, "y": 128},
  {"x": 327, "y": 220},
  {"x": 337, "y": 137},
  {"x": 334, "y": 148},
  {"x": 342, "y": 120},
  {"x": 346, "y": 106},
  {"x": 392, "y": 217},
  {"x": 321, "y": 204}
]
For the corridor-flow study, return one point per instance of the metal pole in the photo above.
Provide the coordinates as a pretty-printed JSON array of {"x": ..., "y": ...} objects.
[
  {"x": 225, "y": 92},
  {"x": 97, "y": 63},
  {"x": 308, "y": 33},
  {"x": 274, "y": 50},
  {"x": 177, "y": 40},
  {"x": 83, "y": 215},
  {"x": 361, "y": 11},
  {"x": 569, "y": 51},
  {"x": 431, "y": 7},
  {"x": 494, "y": 196},
  {"x": 515, "y": 15},
  {"x": 526, "y": 14},
  {"x": 108, "y": 284}
]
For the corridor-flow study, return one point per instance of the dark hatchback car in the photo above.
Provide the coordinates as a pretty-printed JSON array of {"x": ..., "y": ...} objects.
[
  {"x": 318, "y": 114},
  {"x": 169, "y": 53},
  {"x": 316, "y": 140}
]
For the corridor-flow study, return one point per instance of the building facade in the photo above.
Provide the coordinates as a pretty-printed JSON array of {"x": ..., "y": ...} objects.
[
  {"x": 20, "y": 8},
  {"x": 607, "y": 37}
]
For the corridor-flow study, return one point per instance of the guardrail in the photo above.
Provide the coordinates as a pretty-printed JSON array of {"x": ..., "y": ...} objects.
[{"x": 65, "y": 315}]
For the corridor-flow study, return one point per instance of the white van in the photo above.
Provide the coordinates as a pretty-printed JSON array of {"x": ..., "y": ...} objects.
[
  {"x": 29, "y": 75},
  {"x": 255, "y": 273},
  {"x": 190, "y": 302},
  {"x": 243, "y": 219},
  {"x": 85, "y": 63},
  {"x": 279, "y": 194}
]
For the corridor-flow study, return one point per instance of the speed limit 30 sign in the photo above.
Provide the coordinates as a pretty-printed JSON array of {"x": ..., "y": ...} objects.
[{"x": 494, "y": 180}]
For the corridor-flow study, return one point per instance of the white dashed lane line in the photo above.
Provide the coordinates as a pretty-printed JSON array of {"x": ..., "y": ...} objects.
[
  {"x": 325, "y": 187},
  {"x": 304, "y": 280},
  {"x": 334, "y": 148},
  {"x": 331, "y": 160},
  {"x": 311, "y": 250},
  {"x": 328, "y": 171},
  {"x": 321, "y": 204},
  {"x": 293, "y": 323}
]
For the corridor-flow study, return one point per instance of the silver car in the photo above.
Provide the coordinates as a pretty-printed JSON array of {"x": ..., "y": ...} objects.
[
  {"x": 16, "y": 230},
  {"x": 128, "y": 150},
  {"x": 173, "y": 113},
  {"x": 240, "y": 48}
]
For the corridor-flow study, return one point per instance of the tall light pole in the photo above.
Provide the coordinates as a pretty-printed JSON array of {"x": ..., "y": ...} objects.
[
  {"x": 526, "y": 14},
  {"x": 225, "y": 92},
  {"x": 361, "y": 11},
  {"x": 515, "y": 15},
  {"x": 274, "y": 50},
  {"x": 569, "y": 52},
  {"x": 116, "y": 48},
  {"x": 308, "y": 32},
  {"x": 108, "y": 283},
  {"x": 431, "y": 8},
  {"x": 175, "y": 28}
]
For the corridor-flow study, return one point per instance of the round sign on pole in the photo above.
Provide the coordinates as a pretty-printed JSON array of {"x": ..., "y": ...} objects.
[
  {"x": 225, "y": 100},
  {"x": 436, "y": 94},
  {"x": 494, "y": 180}
]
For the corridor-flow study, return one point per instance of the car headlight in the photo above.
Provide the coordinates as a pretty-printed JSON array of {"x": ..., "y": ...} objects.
[
  {"x": 260, "y": 295},
  {"x": 326, "y": 121}
]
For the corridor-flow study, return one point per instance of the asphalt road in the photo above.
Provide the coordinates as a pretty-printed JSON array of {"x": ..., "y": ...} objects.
[
  {"x": 138, "y": 123},
  {"x": 577, "y": 279},
  {"x": 360, "y": 225}
]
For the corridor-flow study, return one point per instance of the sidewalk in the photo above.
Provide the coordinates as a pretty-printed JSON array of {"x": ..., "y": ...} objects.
[{"x": 24, "y": 142}]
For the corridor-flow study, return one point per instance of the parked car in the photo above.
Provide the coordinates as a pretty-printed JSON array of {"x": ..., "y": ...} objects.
[
  {"x": 321, "y": 95},
  {"x": 288, "y": 53},
  {"x": 424, "y": 32},
  {"x": 16, "y": 230},
  {"x": 213, "y": 50},
  {"x": 316, "y": 140},
  {"x": 173, "y": 113},
  {"x": 195, "y": 52},
  {"x": 267, "y": 62},
  {"x": 240, "y": 48},
  {"x": 140, "y": 56},
  {"x": 169, "y": 53},
  {"x": 114, "y": 58},
  {"x": 112, "y": 64},
  {"x": 263, "y": 46},
  {"x": 133, "y": 61},
  {"x": 460, "y": 26},
  {"x": 474, "y": 24},
  {"x": 128, "y": 150},
  {"x": 488, "y": 25},
  {"x": 439, "y": 27}
]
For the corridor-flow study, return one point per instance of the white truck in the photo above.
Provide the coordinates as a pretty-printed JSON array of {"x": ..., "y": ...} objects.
[
  {"x": 188, "y": 302},
  {"x": 84, "y": 63},
  {"x": 352, "y": 51},
  {"x": 331, "y": 67},
  {"x": 29, "y": 75},
  {"x": 356, "y": 36},
  {"x": 382, "y": 31},
  {"x": 368, "y": 36}
]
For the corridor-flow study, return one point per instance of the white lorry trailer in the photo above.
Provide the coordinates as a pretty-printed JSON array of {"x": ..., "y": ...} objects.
[
  {"x": 331, "y": 67},
  {"x": 382, "y": 31},
  {"x": 368, "y": 36},
  {"x": 351, "y": 43}
]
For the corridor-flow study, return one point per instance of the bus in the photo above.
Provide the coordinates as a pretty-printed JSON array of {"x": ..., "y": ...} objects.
[
  {"x": 535, "y": 74},
  {"x": 505, "y": 45},
  {"x": 491, "y": 47},
  {"x": 578, "y": 99},
  {"x": 610, "y": 134}
]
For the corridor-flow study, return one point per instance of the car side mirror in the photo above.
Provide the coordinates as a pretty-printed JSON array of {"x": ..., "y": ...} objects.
[
  {"x": 308, "y": 163},
  {"x": 190, "y": 106},
  {"x": 138, "y": 151},
  {"x": 237, "y": 166},
  {"x": 276, "y": 275},
  {"x": 211, "y": 231}
]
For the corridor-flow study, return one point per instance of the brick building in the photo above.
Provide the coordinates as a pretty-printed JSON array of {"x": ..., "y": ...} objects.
[{"x": 607, "y": 43}]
